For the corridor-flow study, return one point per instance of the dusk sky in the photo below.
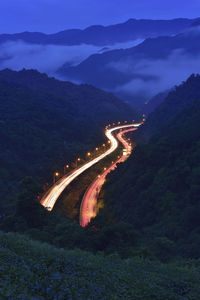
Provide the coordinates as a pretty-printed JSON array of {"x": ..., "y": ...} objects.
[{"x": 55, "y": 15}]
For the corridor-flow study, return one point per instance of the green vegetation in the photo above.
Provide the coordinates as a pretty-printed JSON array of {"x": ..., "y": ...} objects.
[
  {"x": 30, "y": 218},
  {"x": 31, "y": 270},
  {"x": 144, "y": 244},
  {"x": 157, "y": 190},
  {"x": 179, "y": 99},
  {"x": 46, "y": 123}
]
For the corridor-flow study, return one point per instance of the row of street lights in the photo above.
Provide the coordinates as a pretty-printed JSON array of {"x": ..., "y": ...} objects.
[
  {"x": 89, "y": 154},
  {"x": 67, "y": 167}
]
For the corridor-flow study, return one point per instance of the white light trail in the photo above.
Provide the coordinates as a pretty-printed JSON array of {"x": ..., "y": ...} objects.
[{"x": 50, "y": 198}]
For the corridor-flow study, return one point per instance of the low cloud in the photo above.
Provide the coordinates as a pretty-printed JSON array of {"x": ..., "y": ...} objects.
[
  {"x": 44, "y": 58},
  {"x": 49, "y": 58},
  {"x": 150, "y": 77}
]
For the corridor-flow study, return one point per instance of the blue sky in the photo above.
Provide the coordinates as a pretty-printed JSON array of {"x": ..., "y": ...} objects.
[{"x": 55, "y": 15}]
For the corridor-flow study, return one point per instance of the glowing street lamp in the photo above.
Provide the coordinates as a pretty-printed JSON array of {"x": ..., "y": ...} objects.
[
  {"x": 78, "y": 160},
  {"x": 104, "y": 145},
  {"x": 56, "y": 174},
  {"x": 88, "y": 154},
  {"x": 65, "y": 168},
  {"x": 96, "y": 148}
]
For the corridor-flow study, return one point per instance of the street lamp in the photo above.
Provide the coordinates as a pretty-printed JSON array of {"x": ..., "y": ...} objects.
[
  {"x": 78, "y": 159},
  {"x": 65, "y": 168},
  {"x": 56, "y": 174}
]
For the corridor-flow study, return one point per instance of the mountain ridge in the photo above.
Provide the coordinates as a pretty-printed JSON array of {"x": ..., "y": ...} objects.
[
  {"x": 157, "y": 190},
  {"x": 115, "y": 69},
  {"x": 45, "y": 123},
  {"x": 100, "y": 35}
]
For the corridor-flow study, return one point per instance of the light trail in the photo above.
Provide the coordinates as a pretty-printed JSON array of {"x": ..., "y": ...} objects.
[
  {"x": 88, "y": 209},
  {"x": 50, "y": 198}
]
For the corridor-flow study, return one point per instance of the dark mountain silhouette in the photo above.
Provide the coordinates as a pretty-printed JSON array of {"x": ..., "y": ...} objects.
[
  {"x": 45, "y": 123},
  {"x": 104, "y": 35},
  {"x": 196, "y": 23},
  {"x": 157, "y": 190},
  {"x": 182, "y": 97},
  {"x": 154, "y": 102},
  {"x": 119, "y": 68}
]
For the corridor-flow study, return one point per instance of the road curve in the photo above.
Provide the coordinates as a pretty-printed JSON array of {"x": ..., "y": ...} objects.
[
  {"x": 50, "y": 198},
  {"x": 88, "y": 209}
]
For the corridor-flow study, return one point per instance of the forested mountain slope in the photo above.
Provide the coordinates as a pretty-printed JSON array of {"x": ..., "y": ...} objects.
[
  {"x": 179, "y": 98},
  {"x": 45, "y": 123},
  {"x": 157, "y": 190}
]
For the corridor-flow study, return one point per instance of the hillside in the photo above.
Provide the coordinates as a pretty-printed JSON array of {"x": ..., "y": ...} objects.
[
  {"x": 182, "y": 97},
  {"x": 138, "y": 73},
  {"x": 33, "y": 270},
  {"x": 157, "y": 190},
  {"x": 154, "y": 102},
  {"x": 104, "y": 35},
  {"x": 46, "y": 123}
]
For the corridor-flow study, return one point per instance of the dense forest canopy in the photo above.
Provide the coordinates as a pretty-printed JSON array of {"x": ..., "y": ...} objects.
[
  {"x": 157, "y": 190},
  {"x": 46, "y": 123}
]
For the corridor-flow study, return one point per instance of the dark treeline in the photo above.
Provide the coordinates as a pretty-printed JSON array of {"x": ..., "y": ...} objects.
[
  {"x": 157, "y": 190},
  {"x": 46, "y": 123},
  {"x": 150, "y": 220}
]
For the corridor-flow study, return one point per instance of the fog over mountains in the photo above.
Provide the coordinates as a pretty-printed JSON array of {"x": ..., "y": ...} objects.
[
  {"x": 136, "y": 60},
  {"x": 140, "y": 72}
]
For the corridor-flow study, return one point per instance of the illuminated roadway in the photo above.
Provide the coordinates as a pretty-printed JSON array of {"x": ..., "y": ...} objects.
[
  {"x": 88, "y": 208},
  {"x": 50, "y": 198}
]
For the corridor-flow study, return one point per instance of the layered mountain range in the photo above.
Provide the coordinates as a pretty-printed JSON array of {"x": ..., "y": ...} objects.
[
  {"x": 104, "y": 35},
  {"x": 140, "y": 72}
]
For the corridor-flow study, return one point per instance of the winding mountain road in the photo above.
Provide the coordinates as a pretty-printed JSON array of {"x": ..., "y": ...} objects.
[
  {"x": 50, "y": 198},
  {"x": 88, "y": 208}
]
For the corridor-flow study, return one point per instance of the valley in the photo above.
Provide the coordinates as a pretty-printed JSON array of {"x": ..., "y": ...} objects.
[{"x": 99, "y": 150}]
